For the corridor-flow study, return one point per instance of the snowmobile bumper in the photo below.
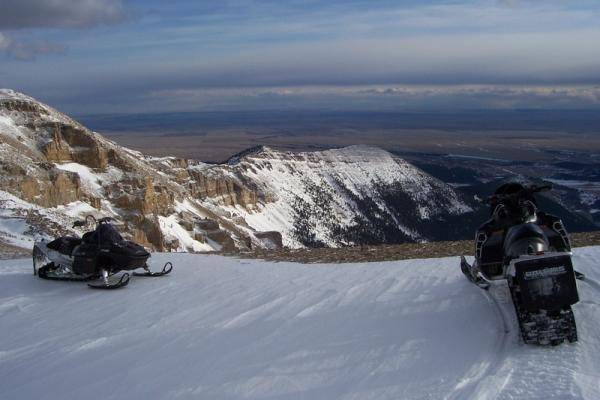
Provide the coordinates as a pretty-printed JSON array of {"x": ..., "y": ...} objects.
[{"x": 545, "y": 281}]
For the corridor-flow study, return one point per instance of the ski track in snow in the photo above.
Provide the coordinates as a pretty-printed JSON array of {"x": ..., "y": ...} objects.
[{"x": 223, "y": 328}]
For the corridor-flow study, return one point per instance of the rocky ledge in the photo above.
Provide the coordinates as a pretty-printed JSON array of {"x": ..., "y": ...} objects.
[{"x": 404, "y": 251}]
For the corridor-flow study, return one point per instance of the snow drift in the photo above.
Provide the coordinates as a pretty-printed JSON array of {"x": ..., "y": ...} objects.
[{"x": 222, "y": 328}]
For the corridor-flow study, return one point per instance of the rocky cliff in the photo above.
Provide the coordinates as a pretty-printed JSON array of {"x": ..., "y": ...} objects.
[{"x": 53, "y": 171}]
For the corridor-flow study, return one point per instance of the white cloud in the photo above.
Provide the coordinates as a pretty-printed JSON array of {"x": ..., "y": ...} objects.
[
  {"x": 4, "y": 41},
  {"x": 28, "y": 51},
  {"x": 18, "y": 14}
]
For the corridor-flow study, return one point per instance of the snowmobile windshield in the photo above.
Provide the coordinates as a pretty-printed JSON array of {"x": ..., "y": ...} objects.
[
  {"x": 512, "y": 194},
  {"x": 105, "y": 234},
  {"x": 108, "y": 234}
]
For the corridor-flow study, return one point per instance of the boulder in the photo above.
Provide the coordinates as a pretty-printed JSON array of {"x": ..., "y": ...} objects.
[
  {"x": 207, "y": 224},
  {"x": 220, "y": 236},
  {"x": 270, "y": 239},
  {"x": 200, "y": 237}
]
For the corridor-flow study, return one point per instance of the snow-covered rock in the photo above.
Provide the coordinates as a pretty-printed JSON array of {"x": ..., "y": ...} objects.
[{"x": 224, "y": 328}]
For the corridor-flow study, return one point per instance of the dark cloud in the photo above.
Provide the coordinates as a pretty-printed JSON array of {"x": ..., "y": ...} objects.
[
  {"x": 29, "y": 14},
  {"x": 21, "y": 14}
]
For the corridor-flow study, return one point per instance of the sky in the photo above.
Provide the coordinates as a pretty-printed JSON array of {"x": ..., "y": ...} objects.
[{"x": 147, "y": 56}]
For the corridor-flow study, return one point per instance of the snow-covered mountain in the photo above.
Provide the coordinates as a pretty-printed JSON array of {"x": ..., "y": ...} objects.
[
  {"x": 54, "y": 170},
  {"x": 227, "y": 328},
  {"x": 343, "y": 196}
]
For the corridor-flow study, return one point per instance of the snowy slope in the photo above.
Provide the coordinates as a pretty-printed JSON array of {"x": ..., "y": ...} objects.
[
  {"x": 338, "y": 195},
  {"x": 221, "y": 328}
]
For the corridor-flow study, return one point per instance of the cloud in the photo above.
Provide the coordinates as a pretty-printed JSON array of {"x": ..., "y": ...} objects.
[
  {"x": 22, "y": 14},
  {"x": 373, "y": 98},
  {"x": 250, "y": 44},
  {"x": 4, "y": 42},
  {"x": 30, "y": 14},
  {"x": 489, "y": 96},
  {"x": 28, "y": 51}
]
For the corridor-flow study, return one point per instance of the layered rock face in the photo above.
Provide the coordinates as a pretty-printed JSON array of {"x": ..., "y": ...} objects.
[
  {"x": 53, "y": 171},
  {"x": 61, "y": 171}
]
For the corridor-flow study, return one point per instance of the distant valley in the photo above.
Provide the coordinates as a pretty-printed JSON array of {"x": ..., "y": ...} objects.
[{"x": 528, "y": 135}]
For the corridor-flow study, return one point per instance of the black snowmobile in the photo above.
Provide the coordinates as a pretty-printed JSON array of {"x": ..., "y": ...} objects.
[
  {"x": 532, "y": 251},
  {"x": 96, "y": 257}
]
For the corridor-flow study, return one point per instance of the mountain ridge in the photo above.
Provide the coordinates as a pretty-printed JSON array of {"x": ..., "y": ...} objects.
[{"x": 55, "y": 170}]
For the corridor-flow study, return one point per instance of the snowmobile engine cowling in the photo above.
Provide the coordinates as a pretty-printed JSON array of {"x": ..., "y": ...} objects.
[
  {"x": 85, "y": 259},
  {"x": 525, "y": 239}
]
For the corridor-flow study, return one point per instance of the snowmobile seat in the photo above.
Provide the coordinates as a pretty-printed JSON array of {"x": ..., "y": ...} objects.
[{"x": 64, "y": 245}]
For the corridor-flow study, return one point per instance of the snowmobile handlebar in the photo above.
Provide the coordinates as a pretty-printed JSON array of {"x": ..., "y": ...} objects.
[
  {"x": 528, "y": 190},
  {"x": 542, "y": 188},
  {"x": 78, "y": 224},
  {"x": 88, "y": 219}
]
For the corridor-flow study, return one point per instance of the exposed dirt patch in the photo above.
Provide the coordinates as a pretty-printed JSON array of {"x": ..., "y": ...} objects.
[
  {"x": 8, "y": 251},
  {"x": 391, "y": 252}
]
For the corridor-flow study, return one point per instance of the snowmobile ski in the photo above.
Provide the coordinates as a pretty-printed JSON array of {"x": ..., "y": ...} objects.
[
  {"x": 167, "y": 268},
  {"x": 473, "y": 276},
  {"x": 109, "y": 283}
]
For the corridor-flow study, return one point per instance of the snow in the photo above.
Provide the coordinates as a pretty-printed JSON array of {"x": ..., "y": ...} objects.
[
  {"x": 589, "y": 192},
  {"x": 225, "y": 328},
  {"x": 171, "y": 229},
  {"x": 15, "y": 228},
  {"x": 77, "y": 209},
  {"x": 89, "y": 179},
  {"x": 12, "y": 231},
  {"x": 187, "y": 206},
  {"x": 7, "y": 125},
  {"x": 477, "y": 157}
]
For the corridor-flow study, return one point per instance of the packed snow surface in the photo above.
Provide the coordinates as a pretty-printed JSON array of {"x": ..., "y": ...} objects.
[{"x": 224, "y": 328}]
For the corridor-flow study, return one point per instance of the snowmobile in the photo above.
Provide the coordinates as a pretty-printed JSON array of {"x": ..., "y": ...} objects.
[
  {"x": 530, "y": 249},
  {"x": 97, "y": 257}
]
